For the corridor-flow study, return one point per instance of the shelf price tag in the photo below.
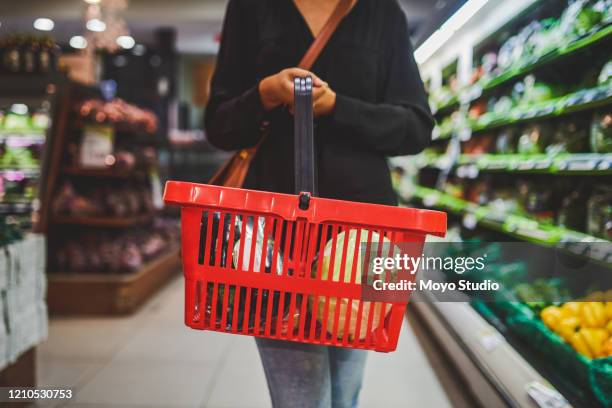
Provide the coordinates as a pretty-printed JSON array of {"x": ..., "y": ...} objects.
[
  {"x": 545, "y": 396},
  {"x": 96, "y": 146}
]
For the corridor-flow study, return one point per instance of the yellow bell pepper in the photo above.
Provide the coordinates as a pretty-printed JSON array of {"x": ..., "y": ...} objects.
[
  {"x": 593, "y": 315},
  {"x": 609, "y": 310},
  {"x": 595, "y": 339},
  {"x": 609, "y": 327},
  {"x": 568, "y": 326},
  {"x": 580, "y": 345},
  {"x": 607, "y": 348},
  {"x": 571, "y": 309},
  {"x": 551, "y": 316}
]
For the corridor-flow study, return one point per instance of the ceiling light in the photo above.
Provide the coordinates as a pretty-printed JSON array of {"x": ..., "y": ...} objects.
[
  {"x": 446, "y": 31},
  {"x": 44, "y": 24},
  {"x": 79, "y": 42},
  {"x": 96, "y": 25},
  {"x": 125, "y": 41},
  {"x": 92, "y": 1}
]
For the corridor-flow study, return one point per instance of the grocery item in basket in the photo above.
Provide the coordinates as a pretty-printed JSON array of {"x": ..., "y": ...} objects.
[
  {"x": 335, "y": 269},
  {"x": 259, "y": 243},
  {"x": 232, "y": 249}
]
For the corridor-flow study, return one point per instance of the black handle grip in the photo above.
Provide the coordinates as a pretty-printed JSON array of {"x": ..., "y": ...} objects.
[{"x": 304, "y": 139}]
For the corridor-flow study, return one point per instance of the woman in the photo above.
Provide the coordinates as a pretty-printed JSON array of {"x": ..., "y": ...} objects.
[{"x": 369, "y": 103}]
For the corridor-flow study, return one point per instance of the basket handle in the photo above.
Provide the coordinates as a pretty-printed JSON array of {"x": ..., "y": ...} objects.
[{"x": 304, "y": 140}]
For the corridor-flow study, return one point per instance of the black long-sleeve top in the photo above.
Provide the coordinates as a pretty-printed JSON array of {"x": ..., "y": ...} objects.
[{"x": 381, "y": 106}]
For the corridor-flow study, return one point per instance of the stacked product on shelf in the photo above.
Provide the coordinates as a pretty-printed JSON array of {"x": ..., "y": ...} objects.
[
  {"x": 22, "y": 288},
  {"x": 22, "y": 145},
  {"x": 115, "y": 251},
  {"x": 28, "y": 54},
  {"x": 108, "y": 238}
]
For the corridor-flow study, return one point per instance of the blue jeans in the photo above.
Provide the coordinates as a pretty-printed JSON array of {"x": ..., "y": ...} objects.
[{"x": 310, "y": 376}]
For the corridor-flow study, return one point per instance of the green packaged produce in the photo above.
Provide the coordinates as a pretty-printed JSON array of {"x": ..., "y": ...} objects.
[
  {"x": 599, "y": 212},
  {"x": 601, "y": 133}
]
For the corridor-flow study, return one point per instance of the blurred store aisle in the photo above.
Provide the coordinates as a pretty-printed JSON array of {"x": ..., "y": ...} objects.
[{"x": 151, "y": 359}]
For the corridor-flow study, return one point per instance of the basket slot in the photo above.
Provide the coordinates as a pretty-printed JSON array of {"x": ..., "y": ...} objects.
[
  {"x": 332, "y": 259},
  {"x": 230, "y": 247},
  {"x": 323, "y": 335},
  {"x": 197, "y": 303},
  {"x": 288, "y": 238},
  {"x": 358, "y": 327},
  {"x": 205, "y": 236},
  {"x": 224, "y": 308},
  {"x": 260, "y": 294},
  {"x": 246, "y": 310},
  {"x": 356, "y": 252},
  {"x": 343, "y": 259},
  {"x": 268, "y": 321},
  {"x": 278, "y": 227},
  {"x": 281, "y": 306},
  {"x": 236, "y": 308},
  {"x": 213, "y": 287}
]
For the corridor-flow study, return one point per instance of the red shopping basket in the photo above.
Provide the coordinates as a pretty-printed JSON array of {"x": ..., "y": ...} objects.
[{"x": 266, "y": 264}]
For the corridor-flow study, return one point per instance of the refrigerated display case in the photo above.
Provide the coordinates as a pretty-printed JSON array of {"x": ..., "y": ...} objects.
[
  {"x": 523, "y": 99},
  {"x": 29, "y": 108}
]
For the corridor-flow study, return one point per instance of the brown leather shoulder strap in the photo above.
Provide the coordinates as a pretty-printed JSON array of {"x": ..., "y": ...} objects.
[{"x": 342, "y": 8}]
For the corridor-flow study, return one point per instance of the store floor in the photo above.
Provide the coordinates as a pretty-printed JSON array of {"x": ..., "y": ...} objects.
[{"x": 151, "y": 359}]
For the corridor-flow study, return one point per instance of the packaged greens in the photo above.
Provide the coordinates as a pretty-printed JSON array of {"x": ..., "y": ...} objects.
[
  {"x": 599, "y": 208},
  {"x": 601, "y": 133}
]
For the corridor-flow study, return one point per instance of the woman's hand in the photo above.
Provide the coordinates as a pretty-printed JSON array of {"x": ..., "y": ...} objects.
[
  {"x": 323, "y": 100},
  {"x": 277, "y": 89}
]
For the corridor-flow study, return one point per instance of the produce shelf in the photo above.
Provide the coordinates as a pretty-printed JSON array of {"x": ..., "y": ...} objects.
[
  {"x": 476, "y": 91},
  {"x": 488, "y": 364},
  {"x": 16, "y": 207},
  {"x": 109, "y": 222},
  {"x": 560, "y": 164},
  {"x": 102, "y": 173},
  {"x": 110, "y": 294},
  {"x": 582, "y": 100},
  {"x": 599, "y": 37},
  {"x": 20, "y": 171},
  {"x": 522, "y": 228},
  {"x": 22, "y": 137}
]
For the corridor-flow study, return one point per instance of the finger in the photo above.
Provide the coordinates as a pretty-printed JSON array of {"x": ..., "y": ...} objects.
[
  {"x": 318, "y": 93},
  {"x": 299, "y": 72}
]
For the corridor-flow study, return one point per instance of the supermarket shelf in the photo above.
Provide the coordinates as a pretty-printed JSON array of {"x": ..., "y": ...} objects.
[
  {"x": 522, "y": 228},
  {"x": 448, "y": 106},
  {"x": 561, "y": 164},
  {"x": 496, "y": 373},
  {"x": 22, "y": 138},
  {"x": 110, "y": 294},
  {"x": 476, "y": 91},
  {"x": 599, "y": 37},
  {"x": 102, "y": 173},
  {"x": 109, "y": 222},
  {"x": 575, "y": 102},
  {"x": 16, "y": 208},
  {"x": 20, "y": 171}
]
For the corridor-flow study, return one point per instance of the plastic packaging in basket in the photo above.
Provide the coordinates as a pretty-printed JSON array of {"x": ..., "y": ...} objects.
[{"x": 267, "y": 265}]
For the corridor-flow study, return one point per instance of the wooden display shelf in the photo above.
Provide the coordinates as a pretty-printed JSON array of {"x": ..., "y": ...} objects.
[
  {"x": 103, "y": 173},
  {"x": 106, "y": 294},
  {"x": 109, "y": 222}
]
